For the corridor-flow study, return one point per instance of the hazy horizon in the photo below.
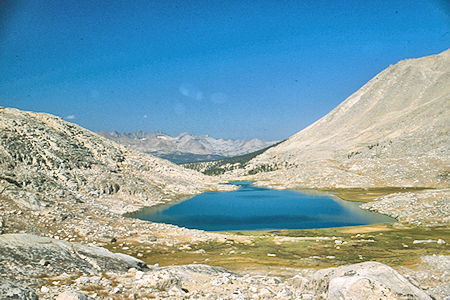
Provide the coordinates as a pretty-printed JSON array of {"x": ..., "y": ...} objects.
[{"x": 228, "y": 70}]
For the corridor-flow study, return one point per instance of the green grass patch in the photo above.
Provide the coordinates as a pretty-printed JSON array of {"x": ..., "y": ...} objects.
[{"x": 387, "y": 243}]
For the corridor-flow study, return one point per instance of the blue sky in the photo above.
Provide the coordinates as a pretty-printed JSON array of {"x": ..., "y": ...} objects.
[{"x": 231, "y": 69}]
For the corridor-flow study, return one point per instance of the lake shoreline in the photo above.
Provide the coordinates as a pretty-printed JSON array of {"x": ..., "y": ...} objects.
[
  {"x": 256, "y": 208},
  {"x": 394, "y": 245}
]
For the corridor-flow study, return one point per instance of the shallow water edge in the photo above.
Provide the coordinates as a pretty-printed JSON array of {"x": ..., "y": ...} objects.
[{"x": 256, "y": 208}]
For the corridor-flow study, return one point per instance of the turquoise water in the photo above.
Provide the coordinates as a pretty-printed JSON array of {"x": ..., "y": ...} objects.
[{"x": 255, "y": 208}]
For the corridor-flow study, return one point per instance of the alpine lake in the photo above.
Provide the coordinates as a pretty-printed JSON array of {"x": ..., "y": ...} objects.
[
  {"x": 279, "y": 231},
  {"x": 256, "y": 208}
]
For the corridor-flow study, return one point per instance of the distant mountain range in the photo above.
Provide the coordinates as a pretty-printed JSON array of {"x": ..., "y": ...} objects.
[{"x": 186, "y": 147}]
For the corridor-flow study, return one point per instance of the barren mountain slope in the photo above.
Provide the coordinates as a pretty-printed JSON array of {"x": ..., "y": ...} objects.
[
  {"x": 47, "y": 162},
  {"x": 394, "y": 131}
]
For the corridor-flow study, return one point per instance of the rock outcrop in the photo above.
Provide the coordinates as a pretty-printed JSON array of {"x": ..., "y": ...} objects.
[
  {"x": 368, "y": 280},
  {"x": 46, "y": 162},
  {"x": 72, "y": 295},
  {"x": 428, "y": 207},
  {"x": 394, "y": 131},
  {"x": 25, "y": 257},
  {"x": 51, "y": 268},
  {"x": 10, "y": 290}
]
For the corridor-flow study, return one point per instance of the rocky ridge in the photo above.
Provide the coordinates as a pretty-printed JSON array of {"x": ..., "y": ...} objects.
[
  {"x": 394, "y": 131},
  {"x": 46, "y": 162}
]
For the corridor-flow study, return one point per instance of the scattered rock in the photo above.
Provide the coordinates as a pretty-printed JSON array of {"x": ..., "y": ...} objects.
[
  {"x": 441, "y": 242},
  {"x": 9, "y": 290},
  {"x": 72, "y": 295},
  {"x": 371, "y": 279},
  {"x": 424, "y": 241},
  {"x": 160, "y": 280},
  {"x": 425, "y": 208}
]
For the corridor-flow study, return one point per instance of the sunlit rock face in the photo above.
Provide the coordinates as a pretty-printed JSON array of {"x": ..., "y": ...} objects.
[
  {"x": 46, "y": 162},
  {"x": 394, "y": 131}
]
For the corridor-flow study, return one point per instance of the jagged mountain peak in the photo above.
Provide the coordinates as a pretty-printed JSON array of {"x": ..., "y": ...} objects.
[{"x": 159, "y": 143}]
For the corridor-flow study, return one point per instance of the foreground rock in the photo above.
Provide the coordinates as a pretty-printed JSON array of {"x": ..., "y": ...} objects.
[
  {"x": 431, "y": 274},
  {"x": 25, "y": 257},
  {"x": 72, "y": 295},
  {"x": 10, "y": 290},
  {"x": 369, "y": 280},
  {"x": 53, "y": 269}
]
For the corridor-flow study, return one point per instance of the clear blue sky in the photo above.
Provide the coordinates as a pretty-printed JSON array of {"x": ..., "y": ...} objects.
[{"x": 233, "y": 69}]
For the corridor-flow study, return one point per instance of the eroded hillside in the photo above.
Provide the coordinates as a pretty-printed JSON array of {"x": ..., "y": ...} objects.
[
  {"x": 45, "y": 160},
  {"x": 394, "y": 131}
]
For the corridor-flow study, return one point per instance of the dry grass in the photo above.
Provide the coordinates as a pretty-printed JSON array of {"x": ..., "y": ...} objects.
[
  {"x": 369, "y": 194},
  {"x": 386, "y": 243}
]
